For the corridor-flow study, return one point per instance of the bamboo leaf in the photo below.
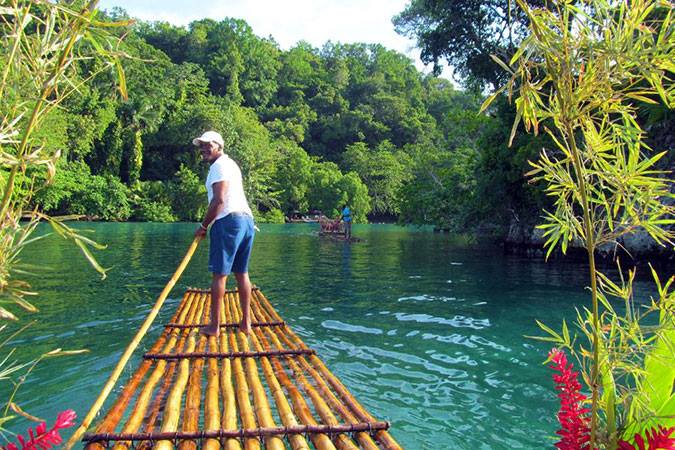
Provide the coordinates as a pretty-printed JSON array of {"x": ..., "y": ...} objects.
[
  {"x": 502, "y": 64},
  {"x": 17, "y": 409},
  {"x": 5, "y": 314},
  {"x": 490, "y": 99},
  {"x": 121, "y": 79},
  {"x": 555, "y": 335},
  {"x": 519, "y": 115}
]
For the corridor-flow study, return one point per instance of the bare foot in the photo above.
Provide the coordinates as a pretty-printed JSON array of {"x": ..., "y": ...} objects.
[
  {"x": 245, "y": 327},
  {"x": 210, "y": 331}
]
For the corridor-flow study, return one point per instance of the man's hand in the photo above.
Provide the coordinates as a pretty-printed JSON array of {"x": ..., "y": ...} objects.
[{"x": 200, "y": 232}]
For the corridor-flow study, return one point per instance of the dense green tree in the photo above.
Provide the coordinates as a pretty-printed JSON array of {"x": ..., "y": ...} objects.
[
  {"x": 311, "y": 128},
  {"x": 188, "y": 195},
  {"x": 465, "y": 33},
  {"x": 293, "y": 177},
  {"x": 442, "y": 190},
  {"x": 383, "y": 170},
  {"x": 357, "y": 197},
  {"x": 239, "y": 65}
]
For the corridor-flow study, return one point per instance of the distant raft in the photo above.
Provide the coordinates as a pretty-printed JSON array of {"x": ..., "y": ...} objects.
[{"x": 192, "y": 392}]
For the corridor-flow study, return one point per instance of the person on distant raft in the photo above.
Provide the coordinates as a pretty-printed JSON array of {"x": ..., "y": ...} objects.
[
  {"x": 346, "y": 217},
  {"x": 232, "y": 229}
]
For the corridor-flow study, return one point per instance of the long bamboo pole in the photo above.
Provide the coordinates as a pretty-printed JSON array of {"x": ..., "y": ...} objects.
[
  {"x": 212, "y": 409},
  {"x": 242, "y": 392},
  {"x": 229, "y": 419},
  {"x": 262, "y": 406},
  {"x": 114, "y": 415},
  {"x": 321, "y": 441},
  {"x": 145, "y": 395},
  {"x": 149, "y": 422},
  {"x": 342, "y": 441},
  {"x": 171, "y": 414},
  {"x": 382, "y": 436},
  {"x": 132, "y": 346},
  {"x": 192, "y": 410}
]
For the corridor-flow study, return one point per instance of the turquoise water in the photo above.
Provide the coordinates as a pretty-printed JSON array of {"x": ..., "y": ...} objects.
[{"x": 427, "y": 333}]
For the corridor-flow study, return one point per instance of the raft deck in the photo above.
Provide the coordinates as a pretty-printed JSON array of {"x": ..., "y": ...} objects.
[{"x": 268, "y": 390}]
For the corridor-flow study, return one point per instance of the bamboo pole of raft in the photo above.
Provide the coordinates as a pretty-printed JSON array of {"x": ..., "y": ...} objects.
[
  {"x": 342, "y": 441},
  {"x": 243, "y": 400},
  {"x": 114, "y": 415},
  {"x": 297, "y": 441},
  {"x": 320, "y": 440},
  {"x": 171, "y": 413},
  {"x": 262, "y": 406},
  {"x": 229, "y": 419},
  {"x": 132, "y": 346},
  {"x": 145, "y": 395},
  {"x": 364, "y": 439},
  {"x": 212, "y": 407},
  {"x": 382, "y": 436},
  {"x": 193, "y": 395},
  {"x": 259, "y": 396},
  {"x": 159, "y": 398}
]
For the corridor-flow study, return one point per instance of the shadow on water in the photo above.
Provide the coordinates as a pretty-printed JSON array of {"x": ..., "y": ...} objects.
[{"x": 427, "y": 334}]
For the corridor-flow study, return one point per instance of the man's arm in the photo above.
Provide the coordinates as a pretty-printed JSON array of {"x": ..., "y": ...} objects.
[{"x": 215, "y": 207}]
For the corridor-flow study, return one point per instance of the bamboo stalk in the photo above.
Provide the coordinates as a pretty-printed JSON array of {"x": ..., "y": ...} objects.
[
  {"x": 297, "y": 441},
  {"x": 173, "y": 402},
  {"x": 230, "y": 355},
  {"x": 229, "y": 419},
  {"x": 382, "y": 436},
  {"x": 364, "y": 439},
  {"x": 321, "y": 441},
  {"x": 262, "y": 406},
  {"x": 243, "y": 400},
  {"x": 132, "y": 346},
  {"x": 192, "y": 412},
  {"x": 159, "y": 398},
  {"x": 145, "y": 395},
  {"x": 261, "y": 433},
  {"x": 114, "y": 414},
  {"x": 342, "y": 440},
  {"x": 212, "y": 410}
]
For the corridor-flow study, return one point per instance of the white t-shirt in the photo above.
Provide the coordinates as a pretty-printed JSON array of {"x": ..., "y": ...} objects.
[{"x": 225, "y": 169}]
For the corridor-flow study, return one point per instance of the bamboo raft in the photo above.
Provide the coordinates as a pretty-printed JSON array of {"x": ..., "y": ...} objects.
[
  {"x": 234, "y": 391},
  {"x": 192, "y": 390}
]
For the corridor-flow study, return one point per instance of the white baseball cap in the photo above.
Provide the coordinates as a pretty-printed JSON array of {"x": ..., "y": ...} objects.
[{"x": 210, "y": 136}]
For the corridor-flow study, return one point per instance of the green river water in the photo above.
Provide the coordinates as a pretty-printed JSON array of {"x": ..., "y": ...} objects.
[{"x": 428, "y": 333}]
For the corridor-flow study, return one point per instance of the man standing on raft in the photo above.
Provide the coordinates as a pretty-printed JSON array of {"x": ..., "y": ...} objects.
[{"x": 232, "y": 230}]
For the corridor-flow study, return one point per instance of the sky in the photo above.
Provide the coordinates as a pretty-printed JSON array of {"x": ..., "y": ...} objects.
[{"x": 290, "y": 21}]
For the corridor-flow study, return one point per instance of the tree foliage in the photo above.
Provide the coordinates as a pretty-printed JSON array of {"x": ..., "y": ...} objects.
[{"x": 579, "y": 76}]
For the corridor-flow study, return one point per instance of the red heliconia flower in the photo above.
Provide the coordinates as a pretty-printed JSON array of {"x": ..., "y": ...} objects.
[
  {"x": 657, "y": 439},
  {"x": 41, "y": 438},
  {"x": 573, "y": 417}
]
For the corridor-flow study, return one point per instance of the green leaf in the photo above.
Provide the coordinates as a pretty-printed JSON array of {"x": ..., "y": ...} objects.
[
  {"x": 490, "y": 99},
  {"x": 566, "y": 333},
  {"x": 502, "y": 64},
  {"x": 555, "y": 335},
  {"x": 91, "y": 259},
  {"x": 516, "y": 121},
  {"x": 5, "y": 314}
]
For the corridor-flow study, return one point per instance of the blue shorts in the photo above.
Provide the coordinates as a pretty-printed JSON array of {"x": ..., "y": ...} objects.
[{"x": 231, "y": 243}]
